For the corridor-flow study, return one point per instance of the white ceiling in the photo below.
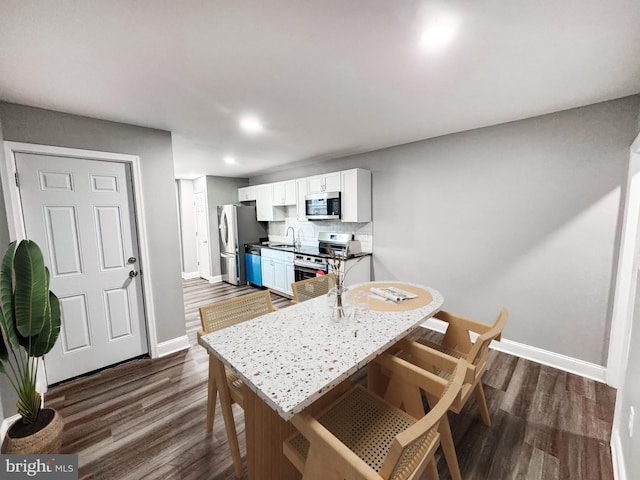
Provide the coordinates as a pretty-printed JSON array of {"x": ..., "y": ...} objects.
[{"x": 327, "y": 77}]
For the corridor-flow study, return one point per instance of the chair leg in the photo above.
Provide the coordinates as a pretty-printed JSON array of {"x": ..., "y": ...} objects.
[
  {"x": 432, "y": 470},
  {"x": 446, "y": 441},
  {"x": 478, "y": 392},
  {"x": 227, "y": 414},
  {"x": 211, "y": 396}
]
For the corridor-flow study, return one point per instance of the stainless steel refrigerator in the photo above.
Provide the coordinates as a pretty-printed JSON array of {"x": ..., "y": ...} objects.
[{"x": 238, "y": 226}]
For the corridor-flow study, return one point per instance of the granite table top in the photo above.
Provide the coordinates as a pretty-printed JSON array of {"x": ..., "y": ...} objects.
[{"x": 292, "y": 356}]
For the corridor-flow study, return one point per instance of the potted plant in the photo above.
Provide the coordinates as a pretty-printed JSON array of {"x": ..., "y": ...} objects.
[{"x": 29, "y": 327}]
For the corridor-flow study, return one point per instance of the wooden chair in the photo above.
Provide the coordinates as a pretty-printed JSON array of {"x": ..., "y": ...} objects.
[
  {"x": 312, "y": 287},
  {"x": 442, "y": 359},
  {"x": 458, "y": 343},
  {"x": 360, "y": 436},
  {"x": 215, "y": 317}
]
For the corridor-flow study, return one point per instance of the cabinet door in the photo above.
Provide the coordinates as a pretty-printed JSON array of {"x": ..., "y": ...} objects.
[
  {"x": 315, "y": 184},
  {"x": 246, "y": 194},
  {"x": 284, "y": 193},
  {"x": 332, "y": 182},
  {"x": 268, "y": 273},
  {"x": 290, "y": 192},
  {"x": 290, "y": 276},
  {"x": 356, "y": 195},
  {"x": 301, "y": 190},
  {"x": 264, "y": 203},
  {"x": 279, "y": 194},
  {"x": 280, "y": 282}
]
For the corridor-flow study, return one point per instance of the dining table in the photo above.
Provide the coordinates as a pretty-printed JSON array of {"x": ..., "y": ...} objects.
[{"x": 302, "y": 357}]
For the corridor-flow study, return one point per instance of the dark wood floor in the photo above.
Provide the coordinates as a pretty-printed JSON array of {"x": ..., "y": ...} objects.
[{"x": 145, "y": 418}]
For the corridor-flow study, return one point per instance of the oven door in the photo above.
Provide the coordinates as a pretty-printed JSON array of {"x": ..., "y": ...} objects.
[{"x": 303, "y": 273}]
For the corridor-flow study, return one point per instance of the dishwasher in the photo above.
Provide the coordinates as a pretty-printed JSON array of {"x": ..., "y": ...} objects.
[{"x": 253, "y": 264}]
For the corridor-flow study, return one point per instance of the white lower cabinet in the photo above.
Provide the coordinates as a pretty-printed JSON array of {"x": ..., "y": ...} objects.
[
  {"x": 289, "y": 275},
  {"x": 277, "y": 270}
]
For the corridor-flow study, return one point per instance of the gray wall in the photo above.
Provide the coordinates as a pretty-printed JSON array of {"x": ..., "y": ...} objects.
[
  {"x": 524, "y": 214},
  {"x": 26, "y": 124}
]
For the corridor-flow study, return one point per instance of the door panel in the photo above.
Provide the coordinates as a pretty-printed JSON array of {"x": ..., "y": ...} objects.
[
  {"x": 61, "y": 225},
  {"x": 81, "y": 213},
  {"x": 74, "y": 330},
  {"x": 109, "y": 236}
]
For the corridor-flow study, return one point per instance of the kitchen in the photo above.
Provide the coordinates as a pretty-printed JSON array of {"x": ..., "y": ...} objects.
[
  {"x": 282, "y": 222},
  {"x": 524, "y": 210}
]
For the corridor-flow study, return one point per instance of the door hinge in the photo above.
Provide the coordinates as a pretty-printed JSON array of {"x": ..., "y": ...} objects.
[{"x": 17, "y": 180}]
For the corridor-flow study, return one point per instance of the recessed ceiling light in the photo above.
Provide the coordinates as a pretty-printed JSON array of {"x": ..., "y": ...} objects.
[
  {"x": 251, "y": 125},
  {"x": 437, "y": 34},
  {"x": 229, "y": 159}
]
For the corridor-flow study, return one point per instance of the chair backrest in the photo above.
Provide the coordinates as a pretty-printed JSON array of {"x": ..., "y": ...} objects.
[
  {"x": 235, "y": 310},
  {"x": 480, "y": 350},
  {"x": 313, "y": 287},
  {"x": 413, "y": 447}
]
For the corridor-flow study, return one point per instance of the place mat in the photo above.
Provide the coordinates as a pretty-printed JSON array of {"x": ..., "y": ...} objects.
[{"x": 423, "y": 297}]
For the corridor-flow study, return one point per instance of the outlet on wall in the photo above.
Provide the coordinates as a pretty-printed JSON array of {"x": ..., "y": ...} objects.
[{"x": 632, "y": 417}]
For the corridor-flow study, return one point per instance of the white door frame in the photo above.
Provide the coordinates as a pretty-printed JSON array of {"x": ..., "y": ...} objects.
[
  {"x": 16, "y": 221},
  {"x": 625, "y": 290}
]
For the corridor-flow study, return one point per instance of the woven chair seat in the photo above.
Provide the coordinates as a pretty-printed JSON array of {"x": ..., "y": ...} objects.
[
  {"x": 365, "y": 424},
  {"x": 362, "y": 435},
  {"x": 441, "y": 348}
]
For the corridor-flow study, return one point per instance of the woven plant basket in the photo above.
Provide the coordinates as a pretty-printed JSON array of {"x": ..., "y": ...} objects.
[{"x": 48, "y": 440}]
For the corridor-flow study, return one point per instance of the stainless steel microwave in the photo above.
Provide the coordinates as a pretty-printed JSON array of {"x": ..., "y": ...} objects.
[{"x": 322, "y": 206}]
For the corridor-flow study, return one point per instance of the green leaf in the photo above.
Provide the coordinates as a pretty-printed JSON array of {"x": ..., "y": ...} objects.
[
  {"x": 7, "y": 322},
  {"x": 30, "y": 295},
  {"x": 45, "y": 341}
]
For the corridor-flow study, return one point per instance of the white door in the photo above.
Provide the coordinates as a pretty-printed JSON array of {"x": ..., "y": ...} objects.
[
  {"x": 81, "y": 214},
  {"x": 202, "y": 226}
]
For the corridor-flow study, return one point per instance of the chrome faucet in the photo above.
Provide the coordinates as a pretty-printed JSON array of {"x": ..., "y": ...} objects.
[{"x": 293, "y": 231}]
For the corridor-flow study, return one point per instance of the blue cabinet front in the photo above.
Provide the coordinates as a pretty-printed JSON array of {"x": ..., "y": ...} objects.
[{"x": 254, "y": 269}]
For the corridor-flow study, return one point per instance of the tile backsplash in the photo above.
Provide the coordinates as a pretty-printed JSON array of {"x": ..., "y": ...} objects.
[{"x": 307, "y": 231}]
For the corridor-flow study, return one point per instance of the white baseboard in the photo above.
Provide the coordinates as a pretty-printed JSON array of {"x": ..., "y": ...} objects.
[
  {"x": 538, "y": 355},
  {"x": 619, "y": 467},
  {"x": 189, "y": 275},
  {"x": 6, "y": 424},
  {"x": 172, "y": 346}
]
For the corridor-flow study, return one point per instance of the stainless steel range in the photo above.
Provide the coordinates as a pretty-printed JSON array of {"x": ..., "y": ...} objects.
[{"x": 309, "y": 261}]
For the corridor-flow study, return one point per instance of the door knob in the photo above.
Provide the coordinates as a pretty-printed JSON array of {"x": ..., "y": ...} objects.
[{"x": 133, "y": 273}]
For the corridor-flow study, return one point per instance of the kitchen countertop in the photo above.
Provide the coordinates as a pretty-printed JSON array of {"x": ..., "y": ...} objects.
[{"x": 306, "y": 250}]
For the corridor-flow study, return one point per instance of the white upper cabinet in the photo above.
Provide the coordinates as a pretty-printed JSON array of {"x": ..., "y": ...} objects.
[
  {"x": 354, "y": 185},
  {"x": 284, "y": 193},
  {"x": 265, "y": 212},
  {"x": 327, "y": 182},
  {"x": 301, "y": 191},
  {"x": 247, "y": 194},
  {"x": 356, "y": 195}
]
